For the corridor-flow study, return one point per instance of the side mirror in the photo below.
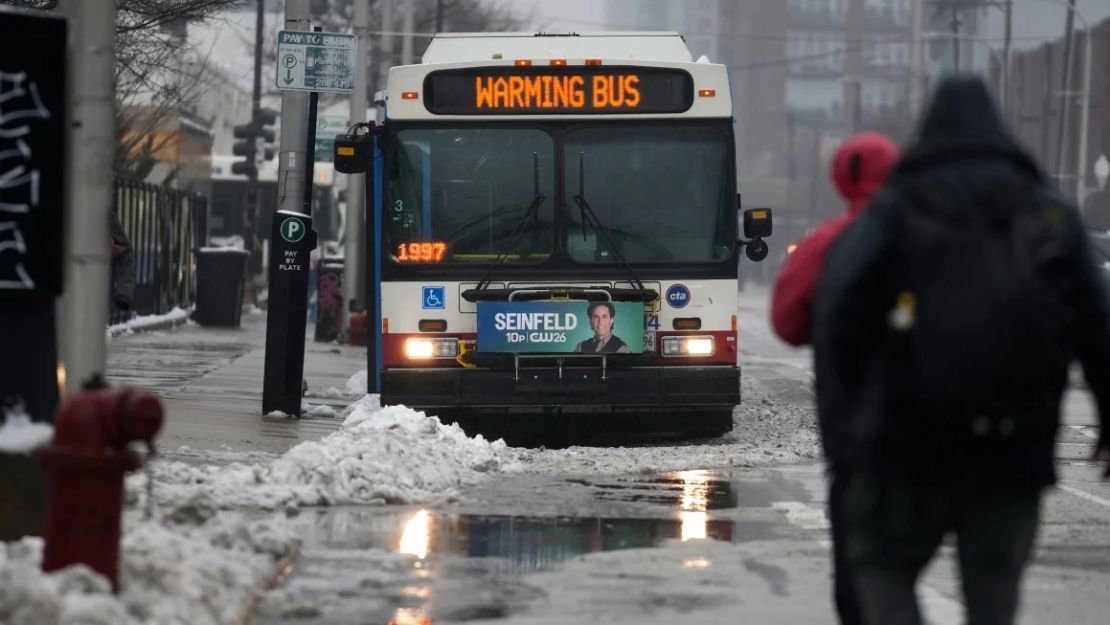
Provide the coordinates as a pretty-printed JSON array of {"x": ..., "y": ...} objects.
[
  {"x": 757, "y": 223},
  {"x": 351, "y": 153}
]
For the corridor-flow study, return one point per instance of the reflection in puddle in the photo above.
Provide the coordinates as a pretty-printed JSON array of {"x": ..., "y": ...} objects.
[
  {"x": 695, "y": 502},
  {"x": 417, "y": 535},
  {"x": 522, "y": 544},
  {"x": 409, "y": 616}
]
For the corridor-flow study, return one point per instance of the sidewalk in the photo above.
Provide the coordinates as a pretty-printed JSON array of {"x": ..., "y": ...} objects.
[{"x": 210, "y": 381}]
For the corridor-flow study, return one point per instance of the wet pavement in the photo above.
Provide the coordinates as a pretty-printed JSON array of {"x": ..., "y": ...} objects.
[{"x": 473, "y": 560}]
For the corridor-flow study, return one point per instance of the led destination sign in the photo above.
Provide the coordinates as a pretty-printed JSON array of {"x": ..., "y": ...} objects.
[{"x": 558, "y": 90}]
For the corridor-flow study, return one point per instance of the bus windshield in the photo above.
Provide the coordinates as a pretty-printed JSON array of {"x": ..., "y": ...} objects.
[
  {"x": 661, "y": 194},
  {"x": 460, "y": 195}
]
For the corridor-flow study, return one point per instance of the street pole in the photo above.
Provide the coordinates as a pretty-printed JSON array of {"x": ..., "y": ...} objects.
[
  {"x": 385, "y": 57},
  {"x": 853, "y": 67},
  {"x": 955, "y": 24},
  {"x": 353, "y": 235},
  {"x": 1065, "y": 94},
  {"x": 406, "y": 41},
  {"x": 310, "y": 147},
  {"x": 916, "y": 67},
  {"x": 250, "y": 236},
  {"x": 1004, "y": 81},
  {"x": 92, "y": 153},
  {"x": 1084, "y": 119},
  {"x": 293, "y": 157},
  {"x": 439, "y": 16}
]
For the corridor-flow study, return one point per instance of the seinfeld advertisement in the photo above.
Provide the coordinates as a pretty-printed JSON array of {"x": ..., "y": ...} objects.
[{"x": 561, "y": 327}]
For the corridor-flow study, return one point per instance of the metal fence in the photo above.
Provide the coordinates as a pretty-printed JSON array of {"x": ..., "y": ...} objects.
[{"x": 165, "y": 228}]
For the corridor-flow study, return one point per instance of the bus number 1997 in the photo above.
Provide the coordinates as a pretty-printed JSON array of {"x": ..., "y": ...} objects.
[{"x": 421, "y": 252}]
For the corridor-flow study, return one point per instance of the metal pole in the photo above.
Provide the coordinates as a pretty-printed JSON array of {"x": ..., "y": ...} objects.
[
  {"x": 1084, "y": 119},
  {"x": 294, "y": 115},
  {"x": 1061, "y": 138},
  {"x": 406, "y": 41},
  {"x": 310, "y": 148},
  {"x": 92, "y": 150},
  {"x": 354, "y": 231},
  {"x": 1004, "y": 81},
  {"x": 853, "y": 67},
  {"x": 916, "y": 69},
  {"x": 250, "y": 236},
  {"x": 955, "y": 24},
  {"x": 439, "y": 16},
  {"x": 385, "y": 57}
]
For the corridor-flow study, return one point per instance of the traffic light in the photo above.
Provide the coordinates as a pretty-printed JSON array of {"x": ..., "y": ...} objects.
[{"x": 254, "y": 144}]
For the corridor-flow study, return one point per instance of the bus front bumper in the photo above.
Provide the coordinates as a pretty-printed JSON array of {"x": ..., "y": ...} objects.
[{"x": 583, "y": 388}]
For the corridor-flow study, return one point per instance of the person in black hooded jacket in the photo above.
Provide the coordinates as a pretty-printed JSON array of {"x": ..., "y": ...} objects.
[{"x": 945, "y": 321}]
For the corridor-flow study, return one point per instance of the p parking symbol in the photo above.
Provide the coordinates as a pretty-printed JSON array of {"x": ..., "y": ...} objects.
[{"x": 292, "y": 229}]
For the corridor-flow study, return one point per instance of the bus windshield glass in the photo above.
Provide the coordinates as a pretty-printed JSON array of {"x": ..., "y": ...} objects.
[
  {"x": 463, "y": 195},
  {"x": 661, "y": 194}
]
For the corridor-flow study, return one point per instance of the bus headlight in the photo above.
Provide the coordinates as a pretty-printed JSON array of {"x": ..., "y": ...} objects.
[
  {"x": 688, "y": 345},
  {"x": 421, "y": 348}
]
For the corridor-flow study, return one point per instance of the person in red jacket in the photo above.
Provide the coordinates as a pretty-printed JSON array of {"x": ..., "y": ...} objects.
[{"x": 859, "y": 168}]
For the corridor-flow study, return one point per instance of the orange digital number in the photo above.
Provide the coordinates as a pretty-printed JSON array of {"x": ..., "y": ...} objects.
[{"x": 421, "y": 252}]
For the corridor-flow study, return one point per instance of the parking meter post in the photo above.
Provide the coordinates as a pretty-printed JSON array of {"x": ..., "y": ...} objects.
[{"x": 292, "y": 240}]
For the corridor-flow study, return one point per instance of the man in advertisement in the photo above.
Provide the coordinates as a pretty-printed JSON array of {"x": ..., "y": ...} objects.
[{"x": 604, "y": 341}]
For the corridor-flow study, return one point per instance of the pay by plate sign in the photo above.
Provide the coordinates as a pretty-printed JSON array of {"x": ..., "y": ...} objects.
[{"x": 556, "y": 327}]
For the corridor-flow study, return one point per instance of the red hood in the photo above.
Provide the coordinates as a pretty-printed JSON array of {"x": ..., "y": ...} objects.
[{"x": 860, "y": 167}]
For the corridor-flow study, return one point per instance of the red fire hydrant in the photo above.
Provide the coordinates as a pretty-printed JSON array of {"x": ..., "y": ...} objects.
[{"x": 86, "y": 462}]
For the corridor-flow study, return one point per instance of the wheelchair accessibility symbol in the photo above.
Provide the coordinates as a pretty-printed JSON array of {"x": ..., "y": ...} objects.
[{"x": 434, "y": 298}]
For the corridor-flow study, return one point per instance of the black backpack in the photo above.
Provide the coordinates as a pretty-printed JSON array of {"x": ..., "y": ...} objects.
[{"x": 975, "y": 348}]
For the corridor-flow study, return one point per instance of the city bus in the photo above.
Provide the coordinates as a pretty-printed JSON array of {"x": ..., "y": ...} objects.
[{"x": 558, "y": 230}]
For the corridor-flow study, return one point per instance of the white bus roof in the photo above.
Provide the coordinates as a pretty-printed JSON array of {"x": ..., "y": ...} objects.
[
  {"x": 658, "y": 46},
  {"x": 590, "y": 52}
]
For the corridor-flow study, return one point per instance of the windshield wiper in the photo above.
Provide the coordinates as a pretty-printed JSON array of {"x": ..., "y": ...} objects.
[
  {"x": 532, "y": 212},
  {"x": 589, "y": 217}
]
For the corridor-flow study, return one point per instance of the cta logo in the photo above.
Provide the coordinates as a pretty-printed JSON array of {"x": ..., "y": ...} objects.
[{"x": 678, "y": 296}]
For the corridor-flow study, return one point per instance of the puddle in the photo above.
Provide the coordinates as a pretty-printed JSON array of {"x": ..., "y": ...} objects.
[
  {"x": 412, "y": 565},
  {"x": 678, "y": 505}
]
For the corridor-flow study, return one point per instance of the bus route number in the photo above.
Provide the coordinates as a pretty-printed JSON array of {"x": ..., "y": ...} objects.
[{"x": 421, "y": 251}]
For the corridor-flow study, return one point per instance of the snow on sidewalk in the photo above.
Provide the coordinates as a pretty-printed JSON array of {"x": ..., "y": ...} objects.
[
  {"x": 193, "y": 566},
  {"x": 380, "y": 455}
]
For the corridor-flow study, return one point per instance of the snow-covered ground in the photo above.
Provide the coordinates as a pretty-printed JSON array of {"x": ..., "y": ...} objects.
[
  {"x": 395, "y": 455},
  {"x": 177, "y": 316},
  {"x": 20, "y": 435},
  {"x": 191, "y": 565},
  {"x": 200, "y": 561}
]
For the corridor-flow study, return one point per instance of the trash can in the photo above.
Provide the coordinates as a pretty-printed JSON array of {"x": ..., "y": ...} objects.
[
  {"x": 329, "y": 298},
  {"x": 220, "y": 274}
]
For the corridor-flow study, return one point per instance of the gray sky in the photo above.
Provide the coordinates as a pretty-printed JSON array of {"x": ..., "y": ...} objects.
[{"x": 565, "y": 15}]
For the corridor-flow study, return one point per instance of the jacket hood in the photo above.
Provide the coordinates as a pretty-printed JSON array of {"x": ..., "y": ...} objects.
[
  {"x": 860, "y": 166},
  {"x": 962, "y": 121}
]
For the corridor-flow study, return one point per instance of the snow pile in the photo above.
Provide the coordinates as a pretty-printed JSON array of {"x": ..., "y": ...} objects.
[
  {"x": 398, "y": 455},
  {"x": 20, "y": 435},
  {"x": 193, "y": 566},
  {"x": 766, "y": 431},
  {"x": 388, "y": 455},
  {"x": 356, "y": 384},
  {"x": 175, "y": 317}
]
